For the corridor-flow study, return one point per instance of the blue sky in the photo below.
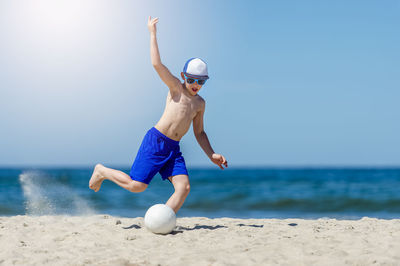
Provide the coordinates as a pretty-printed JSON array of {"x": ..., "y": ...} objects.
[{"x": 299, "y": 83}]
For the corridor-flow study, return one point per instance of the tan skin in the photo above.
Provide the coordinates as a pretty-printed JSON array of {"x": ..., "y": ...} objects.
[{"x": 183, "y": 106}]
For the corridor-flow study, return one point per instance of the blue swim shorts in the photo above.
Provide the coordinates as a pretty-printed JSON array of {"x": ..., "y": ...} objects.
[{"x": 157, "y": 153}]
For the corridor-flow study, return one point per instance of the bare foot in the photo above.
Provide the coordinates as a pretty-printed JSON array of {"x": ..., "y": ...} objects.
[{"x": 97, "y": 179}]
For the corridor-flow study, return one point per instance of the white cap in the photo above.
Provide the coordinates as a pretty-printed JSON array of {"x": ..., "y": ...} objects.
[{"x": 196, "y": 68}]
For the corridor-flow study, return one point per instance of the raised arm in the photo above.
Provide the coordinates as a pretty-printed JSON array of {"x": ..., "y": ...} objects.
[
  {"x": 202, "y": 139},
  {"x": 170, "y": 80}
]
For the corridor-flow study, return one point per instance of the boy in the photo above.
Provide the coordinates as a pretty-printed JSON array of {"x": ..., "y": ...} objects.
[{"x": 159, "y": 151}]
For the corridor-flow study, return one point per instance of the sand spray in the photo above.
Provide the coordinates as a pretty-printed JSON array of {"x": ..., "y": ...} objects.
[{"x": 45, "y": 195}]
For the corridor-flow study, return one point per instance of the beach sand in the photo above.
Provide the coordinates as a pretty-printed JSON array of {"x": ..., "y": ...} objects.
[{"x": 108, "y": 240}]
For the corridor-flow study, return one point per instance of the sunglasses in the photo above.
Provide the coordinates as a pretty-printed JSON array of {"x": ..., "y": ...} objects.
[{"x": 201, "y": 82}]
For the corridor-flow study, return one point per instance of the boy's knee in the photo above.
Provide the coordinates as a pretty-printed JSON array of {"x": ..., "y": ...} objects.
[
  {"x": 184, "y": 188},
  {"x": 137, "y": 186},
  {"x": 187, "y": 188}
]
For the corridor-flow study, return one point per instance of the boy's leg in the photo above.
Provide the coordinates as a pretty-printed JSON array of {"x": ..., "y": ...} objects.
[
  {"x": 120, "y": 178},
  {"x": 182, "y": 188}
]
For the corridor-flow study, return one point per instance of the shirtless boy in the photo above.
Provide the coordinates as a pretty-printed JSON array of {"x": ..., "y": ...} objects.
[{"x": 159, "y": 151}]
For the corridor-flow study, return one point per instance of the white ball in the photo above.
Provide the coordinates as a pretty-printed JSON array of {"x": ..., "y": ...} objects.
[{"x": 160, "y": 219}]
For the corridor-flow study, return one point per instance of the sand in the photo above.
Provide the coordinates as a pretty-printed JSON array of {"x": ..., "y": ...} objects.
[{"x": 108, "y": 240}]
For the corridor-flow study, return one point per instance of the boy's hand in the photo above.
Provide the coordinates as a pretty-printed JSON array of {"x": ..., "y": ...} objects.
[
  {"x": 219, "y": 160},
  {"x": 151, "y": 24}
]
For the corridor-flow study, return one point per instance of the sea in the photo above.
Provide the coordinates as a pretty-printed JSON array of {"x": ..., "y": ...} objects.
[{"x": 308, "y": 193}]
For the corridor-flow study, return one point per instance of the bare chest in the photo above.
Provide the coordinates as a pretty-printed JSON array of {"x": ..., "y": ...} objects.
[{"x": 183, "y": 107}]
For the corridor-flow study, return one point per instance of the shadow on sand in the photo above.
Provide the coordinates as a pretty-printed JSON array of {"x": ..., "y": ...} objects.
[
  {"x": 251, "y": 225},
  {"x": 133, "y": 226},
  {"x": 181, "y": 229},
  {"x": 209, "y": 227}
]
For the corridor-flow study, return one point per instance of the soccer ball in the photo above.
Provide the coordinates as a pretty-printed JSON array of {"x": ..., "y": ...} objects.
[{"x": 160, "y": 219}]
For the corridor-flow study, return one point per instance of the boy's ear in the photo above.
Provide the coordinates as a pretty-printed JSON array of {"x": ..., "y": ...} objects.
[{"x": 183, "y": 77}]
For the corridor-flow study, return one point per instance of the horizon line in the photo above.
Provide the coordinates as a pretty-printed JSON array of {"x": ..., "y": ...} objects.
[{"x": 211, "y": 167}]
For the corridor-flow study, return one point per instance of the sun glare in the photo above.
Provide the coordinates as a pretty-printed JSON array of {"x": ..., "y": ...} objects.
[
  {"x": 67, "y": 15},
  {"x": 62, "y": 20},
  {"x": 53, "y": 37}
]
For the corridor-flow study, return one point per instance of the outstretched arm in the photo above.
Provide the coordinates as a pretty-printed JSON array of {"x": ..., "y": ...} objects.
[
  {"x": 202, "y": 139},
  {"x": 165, "y": 75}
]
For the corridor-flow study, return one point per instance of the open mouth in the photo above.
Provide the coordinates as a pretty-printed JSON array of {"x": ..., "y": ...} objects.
[{"x": 194, "y": 90}]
